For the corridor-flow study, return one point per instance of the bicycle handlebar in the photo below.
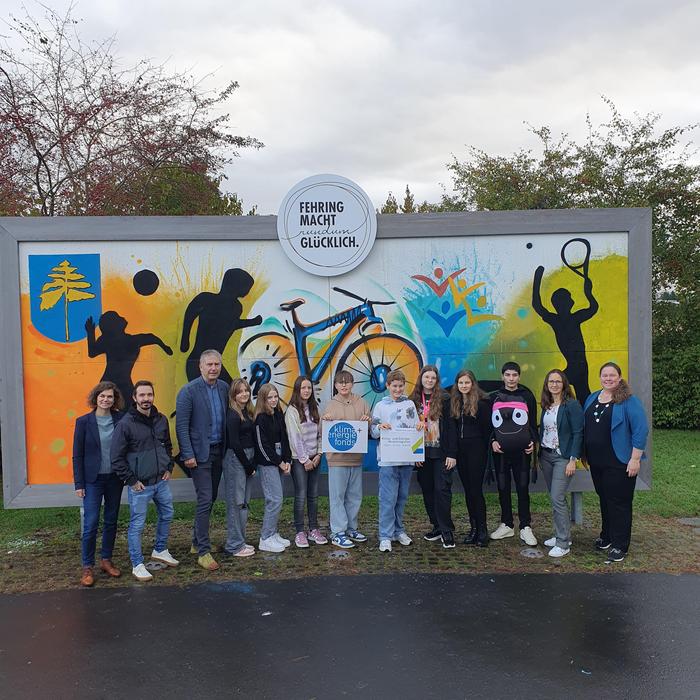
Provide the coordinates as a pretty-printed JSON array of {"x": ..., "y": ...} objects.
[{"x": 352, "y": 295}]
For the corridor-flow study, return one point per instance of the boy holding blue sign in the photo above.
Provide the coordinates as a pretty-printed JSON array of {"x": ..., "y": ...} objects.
[
  {"x": 345, "y": 468},
  {"x": 394, "y": 412}
]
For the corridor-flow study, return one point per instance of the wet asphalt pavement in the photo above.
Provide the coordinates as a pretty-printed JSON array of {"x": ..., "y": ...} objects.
[{"x": 402, "y": 636}]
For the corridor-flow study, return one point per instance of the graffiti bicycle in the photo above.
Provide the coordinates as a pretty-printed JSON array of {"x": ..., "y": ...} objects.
[{"x": 278, "y": 358}]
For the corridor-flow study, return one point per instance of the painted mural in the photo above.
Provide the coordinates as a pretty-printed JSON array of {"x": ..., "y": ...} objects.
[{"x": 146, "y": 310}]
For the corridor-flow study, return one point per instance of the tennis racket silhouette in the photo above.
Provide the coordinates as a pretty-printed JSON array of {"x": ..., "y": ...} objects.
[{"x": 581, "y": 269}]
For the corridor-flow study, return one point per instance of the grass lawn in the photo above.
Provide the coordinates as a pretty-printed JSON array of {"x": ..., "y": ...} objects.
[{"x": 39, "y": 549}]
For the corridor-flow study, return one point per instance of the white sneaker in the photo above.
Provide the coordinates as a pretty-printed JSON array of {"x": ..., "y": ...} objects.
[
  {"x": 528, "y": 536},
  {"x": 552, "y": 542},
  {"x": 558, "y": 552},
  {"x": 141, "y": 573},
  {"x": 165, "y": 557},
  {"x": 284, "y": 542},
  {"x": 270, "y": 544},
  {"x": 502, "y": 531},
  {"x": 385, "y": 546},
  {"x": 404, "y": 539}
]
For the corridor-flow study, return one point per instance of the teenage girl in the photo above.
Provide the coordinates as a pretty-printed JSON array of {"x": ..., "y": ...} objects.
[
  {"x": 470, "y": 413},
  {"x": 239, "y": 466},
  {"x": 304, "y": 431},
  {"x": 273, "y": 456},
  {"x": 435, "y": 474}
]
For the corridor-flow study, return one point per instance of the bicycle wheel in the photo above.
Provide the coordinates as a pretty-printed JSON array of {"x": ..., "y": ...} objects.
[
  {"x": 371, "y": 358},
  {"x": 269, "y": 357}
]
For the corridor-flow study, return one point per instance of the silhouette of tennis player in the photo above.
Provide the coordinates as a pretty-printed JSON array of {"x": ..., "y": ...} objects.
[
  {"x": 122, "y": 349},
  {"x": 567, "y": 324},
  {"x": 219, "y": 317}
]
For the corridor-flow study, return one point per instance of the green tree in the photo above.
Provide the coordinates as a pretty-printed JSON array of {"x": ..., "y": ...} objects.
[
  {"x": 391, "y": 206},
  {"x": 409, "y": 205},
  {"x": 624, "y": 162}
]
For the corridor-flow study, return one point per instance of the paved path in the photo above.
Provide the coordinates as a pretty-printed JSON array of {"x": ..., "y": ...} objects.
[{"x": 402, "y": 636}]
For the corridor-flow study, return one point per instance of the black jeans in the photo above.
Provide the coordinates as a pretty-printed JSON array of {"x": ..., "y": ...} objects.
[
  {"x": 616, "y": 492},
  {"x": 436, "y": 483},
  {"x": 471, "y": 465},
  {"x": 206, "y": 477},
  {"x": 517, "y": 464}
]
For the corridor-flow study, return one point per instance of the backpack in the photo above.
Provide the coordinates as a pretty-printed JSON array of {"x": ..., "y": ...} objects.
[{"x": 511, "y": 424}]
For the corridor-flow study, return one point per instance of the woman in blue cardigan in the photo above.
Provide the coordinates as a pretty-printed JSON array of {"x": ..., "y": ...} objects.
[
  {"x": 561, "y": 442},
  {"x": 615, "y": 431},
  {"x": 94, "y": 479}
]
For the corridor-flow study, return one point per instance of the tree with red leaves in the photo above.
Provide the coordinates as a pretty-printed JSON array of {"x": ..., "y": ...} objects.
[{"x": 80, "y": 135}]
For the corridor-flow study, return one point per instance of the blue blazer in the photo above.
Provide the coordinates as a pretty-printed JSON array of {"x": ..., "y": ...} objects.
[
  {"x": 569, "y": 429},
  {"x": 193, "y": 418},
  {"x": 87, "y": 452},
  {"x": 628, "y": 426}
]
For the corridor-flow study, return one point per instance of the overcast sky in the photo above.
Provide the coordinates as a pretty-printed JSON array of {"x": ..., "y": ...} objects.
[{"x": 386, "y": 91}]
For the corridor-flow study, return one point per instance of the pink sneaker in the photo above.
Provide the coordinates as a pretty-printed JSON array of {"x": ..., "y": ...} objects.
[
  {"x": 300, "y": 540},
  {"x": 316, "y": 537}
]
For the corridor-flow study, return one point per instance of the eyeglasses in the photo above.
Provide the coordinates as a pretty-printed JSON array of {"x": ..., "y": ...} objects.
[{"x": 554, "y": 381}]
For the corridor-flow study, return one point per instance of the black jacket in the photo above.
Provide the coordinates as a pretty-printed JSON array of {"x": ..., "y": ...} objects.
[
  {"x": 448, "y": 436},
  {"x": 141, "y": 447},
  {"x": 240, "y": 435},
  {"x": 476, "y": 427},
  {"x": 269, "y": 430}
]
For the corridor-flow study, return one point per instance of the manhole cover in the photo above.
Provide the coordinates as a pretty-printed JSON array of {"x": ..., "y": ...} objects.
[
  {"x": 531, "y": 553},
  {"x": 339, "y": 555},
  {"x": 156, "y": 566}
]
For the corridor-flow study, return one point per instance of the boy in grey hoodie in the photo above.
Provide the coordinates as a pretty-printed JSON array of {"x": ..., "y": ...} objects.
[{"x": 392, "y": 412}]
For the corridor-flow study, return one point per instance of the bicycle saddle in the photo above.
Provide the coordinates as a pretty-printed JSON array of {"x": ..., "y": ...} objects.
[{"x": 289, "y": 305}]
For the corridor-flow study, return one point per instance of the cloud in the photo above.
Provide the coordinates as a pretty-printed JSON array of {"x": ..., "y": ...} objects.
[{"x": 385, "y": 92}]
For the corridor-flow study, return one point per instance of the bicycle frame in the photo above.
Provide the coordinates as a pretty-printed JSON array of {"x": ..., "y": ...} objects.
[{"x": 350, "y": 318}]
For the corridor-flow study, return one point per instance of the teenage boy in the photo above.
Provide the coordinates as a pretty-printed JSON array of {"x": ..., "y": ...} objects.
[
  {"x": 345, "y": 469},
  {"x": 515, "y": 463},
  {"x": 393, "y": 412},
  {"x": 141, "y": 454}
]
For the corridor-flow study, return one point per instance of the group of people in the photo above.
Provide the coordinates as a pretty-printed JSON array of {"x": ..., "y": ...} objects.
[{"x": 221, "y": 432}]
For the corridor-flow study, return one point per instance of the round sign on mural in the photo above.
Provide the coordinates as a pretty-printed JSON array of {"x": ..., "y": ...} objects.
[{"x": 327, "y": 225}]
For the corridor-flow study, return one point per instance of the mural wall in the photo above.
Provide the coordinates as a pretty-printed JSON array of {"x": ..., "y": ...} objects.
[{"x": 145, "y": 310}]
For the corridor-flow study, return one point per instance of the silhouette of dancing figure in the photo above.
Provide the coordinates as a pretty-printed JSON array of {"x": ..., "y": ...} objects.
[
  {"x": 567, "y": 325},
  {"x": 122, "y": 349},
  {"x": 219, "y": 317}
]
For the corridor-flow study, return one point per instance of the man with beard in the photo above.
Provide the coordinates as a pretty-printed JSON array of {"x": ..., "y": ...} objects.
[{"x": 141, "y": 455}]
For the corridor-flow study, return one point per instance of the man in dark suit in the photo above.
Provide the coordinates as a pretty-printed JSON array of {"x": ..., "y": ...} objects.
[{"x": 200, "y": 426}]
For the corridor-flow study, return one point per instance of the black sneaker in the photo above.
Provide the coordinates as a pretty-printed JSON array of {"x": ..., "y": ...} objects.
[
  {"x": 448, "y": 540},
  {"x": 601, "y": 544},
  {"x": 615, "y": 555},
  {"x": 433, "y": 536}
]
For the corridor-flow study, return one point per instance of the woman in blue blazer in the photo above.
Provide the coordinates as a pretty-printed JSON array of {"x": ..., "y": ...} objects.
[
  {"x": 615, "y": 432},
  {"x": 94, "y": 479},
  {"x": 561, "y": 442}
]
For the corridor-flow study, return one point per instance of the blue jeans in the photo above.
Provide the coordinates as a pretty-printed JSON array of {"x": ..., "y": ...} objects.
[
  {"x": 238, "y": 487},
  {"x": 394, "y": 483},
  {"x": 108, "y": 487},
  {"x": 305, "y": 491},
  {"x": 161, "y": 495},
  {"x": 344, "y": 497}
]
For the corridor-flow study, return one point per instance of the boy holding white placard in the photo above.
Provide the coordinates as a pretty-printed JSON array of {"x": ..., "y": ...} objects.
[
  {"x": 394, "y": 412},
  {"x": 345, "y": 468}
]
